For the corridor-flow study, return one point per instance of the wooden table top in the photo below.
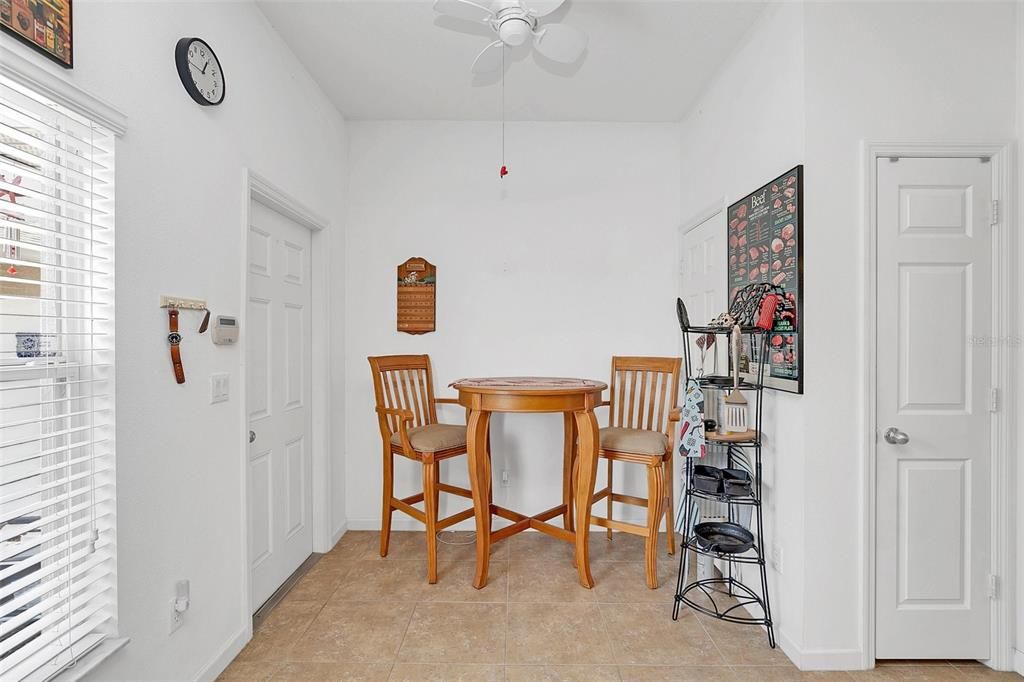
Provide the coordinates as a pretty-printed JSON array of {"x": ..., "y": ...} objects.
[{"x": 528, "y": 385}]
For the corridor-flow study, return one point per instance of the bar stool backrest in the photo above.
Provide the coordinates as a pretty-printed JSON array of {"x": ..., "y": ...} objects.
[{"x": 642, "y": 392}]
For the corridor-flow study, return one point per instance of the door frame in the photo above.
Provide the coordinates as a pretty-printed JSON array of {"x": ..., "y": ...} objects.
[
  {"x": 1005, "y": 273},
  {"x": 258, "y": 188}
]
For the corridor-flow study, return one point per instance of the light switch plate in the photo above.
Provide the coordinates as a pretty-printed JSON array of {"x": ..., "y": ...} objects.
[{"x": 220, "y": 388}]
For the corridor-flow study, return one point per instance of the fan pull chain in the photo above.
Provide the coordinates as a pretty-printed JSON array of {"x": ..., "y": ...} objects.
[{"x": 504, "y": 169}]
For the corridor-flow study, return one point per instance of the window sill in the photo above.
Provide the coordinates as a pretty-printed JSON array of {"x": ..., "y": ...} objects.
[{"x": 91, "y": 660}]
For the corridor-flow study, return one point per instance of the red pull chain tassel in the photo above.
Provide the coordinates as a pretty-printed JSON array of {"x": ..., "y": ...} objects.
[{"x": 503, "y": 172}]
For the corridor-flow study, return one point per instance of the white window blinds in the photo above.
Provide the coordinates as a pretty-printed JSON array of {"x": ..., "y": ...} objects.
[{"x": 57, "y": 578}]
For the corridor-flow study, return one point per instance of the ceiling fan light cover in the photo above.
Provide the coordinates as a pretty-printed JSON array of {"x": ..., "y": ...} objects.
[{"x": 514, "y": 32}]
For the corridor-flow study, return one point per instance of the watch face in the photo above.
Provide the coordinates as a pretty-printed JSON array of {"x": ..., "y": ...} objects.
[
  {"x": 200, "y": 71},
  {"x": 174, "y": 338}
]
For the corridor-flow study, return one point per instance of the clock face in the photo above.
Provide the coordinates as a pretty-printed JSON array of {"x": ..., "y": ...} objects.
[{"x": 200, "y": 71}]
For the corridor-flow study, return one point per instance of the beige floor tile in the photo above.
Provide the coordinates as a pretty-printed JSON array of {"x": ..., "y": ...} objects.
[
  {"x": 628, "y": 547},
  {"x": 625, "y": 582},
  {"x": 320, "y": 583},
  {"x": 784, "y": 674},
  {"x": 674, "y": 673},
  {"x": 461, "y": 549},
  {"x": 285, "y": 624},
  {"x": 548, "y": 582},
  {"x": 333, "y": 672},
  {"x": 918, "y": 673},
  {"x": 455, "y": 633},
  {"x": 743, "y": 645},
  {"x": 255, "y": 671},
  {"x": 376, "y": 580},
  {"x": 981, "y": 672},
  {"x": 561, "y": 673},
  {"x": 557, "y": 633},
  {"x": 446, "y": 672},
  {"x": 354, "y": 632},
  {"x": 534, "y": 546},
  {"x": 357, "y": 545},
  {"x": 455, "y": 583},
  {"x": 645, "y": 634}
]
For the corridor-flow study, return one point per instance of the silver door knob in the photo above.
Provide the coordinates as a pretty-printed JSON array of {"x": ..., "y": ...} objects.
[
  {"x": 894, "y": 436},
  {"x": 252, "y": 436}
]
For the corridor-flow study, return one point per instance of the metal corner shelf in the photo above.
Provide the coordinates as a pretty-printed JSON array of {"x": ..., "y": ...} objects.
[{"x": 727, "y": 598}]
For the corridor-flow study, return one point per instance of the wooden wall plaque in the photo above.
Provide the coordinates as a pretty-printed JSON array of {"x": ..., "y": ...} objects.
[{"x": 417, "y": 286}]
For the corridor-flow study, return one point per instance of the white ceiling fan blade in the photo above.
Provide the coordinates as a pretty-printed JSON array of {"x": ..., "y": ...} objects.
[
  {"x": 489, "y": 60},
  {"x": 560, "y": 43},
  {"x": 463, "y": 9},
  {"x": 542, "y": 8}
]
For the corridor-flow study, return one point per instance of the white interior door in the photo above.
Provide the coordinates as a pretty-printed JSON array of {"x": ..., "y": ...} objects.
[
  {"x": 278, "y": 366},
  {"x": 703, "y": 279},
  {"x": 934, "y": 386}
]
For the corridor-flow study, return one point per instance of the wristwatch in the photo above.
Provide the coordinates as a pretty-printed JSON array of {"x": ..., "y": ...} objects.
[{"x": 174, "y": 339}]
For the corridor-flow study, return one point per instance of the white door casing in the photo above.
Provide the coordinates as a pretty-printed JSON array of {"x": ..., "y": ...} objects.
[
  {"x": 278, "y": 399},
  {"x": 934, "y": 288},
  {"x": 703, "y": 278}
]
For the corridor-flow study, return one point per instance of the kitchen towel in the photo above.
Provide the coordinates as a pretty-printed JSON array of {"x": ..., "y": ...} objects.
[{"x": 691, "y": 434}]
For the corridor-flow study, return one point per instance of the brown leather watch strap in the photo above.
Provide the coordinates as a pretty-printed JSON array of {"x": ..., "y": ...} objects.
[{"x": 174, "y": 339}]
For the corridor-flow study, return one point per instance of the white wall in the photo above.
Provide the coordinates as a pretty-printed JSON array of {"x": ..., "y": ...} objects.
[
  {"x": 811, "y": 82},
  {"x": 746, "y": 129},
  {"x": 179, "y": 225},
  {"x": 551, "y": 271},
  {"x": 875, "y": 71}
]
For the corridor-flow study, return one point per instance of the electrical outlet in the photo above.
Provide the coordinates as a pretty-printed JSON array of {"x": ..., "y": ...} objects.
[
  {"x": 505, "y": 478},
  {"x": 180, "y": 604},
  {"x": 777, "y": 557}
]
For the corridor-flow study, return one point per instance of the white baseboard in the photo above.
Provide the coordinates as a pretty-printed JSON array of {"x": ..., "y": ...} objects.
[
  {"x": 820, "y": 659},
  {"x": 342, "y": 529},
  {"x": 231, "y": 649},
  {"x": 1018, "y": 661}
]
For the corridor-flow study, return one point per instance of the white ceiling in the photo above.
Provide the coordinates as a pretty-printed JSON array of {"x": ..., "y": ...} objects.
[{"x": 396, "y": 59}]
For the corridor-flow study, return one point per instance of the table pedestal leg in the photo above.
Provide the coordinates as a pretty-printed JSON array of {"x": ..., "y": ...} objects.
[
  {"x": 479, "y": 457},
  {"x": 586, "y": 456},
  {"x": 568, "y": 469}
]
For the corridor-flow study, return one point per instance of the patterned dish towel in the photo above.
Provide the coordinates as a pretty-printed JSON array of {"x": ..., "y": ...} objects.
[{"x": 691, "y": 434}]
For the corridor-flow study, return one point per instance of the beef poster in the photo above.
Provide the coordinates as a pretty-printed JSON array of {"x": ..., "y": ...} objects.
[{"x": 765, "y": 245}]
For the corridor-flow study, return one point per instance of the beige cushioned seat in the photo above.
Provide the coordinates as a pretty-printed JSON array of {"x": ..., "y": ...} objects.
[
  {"x": 634, "y": 441},
  {"x": 434, "y": 437}
]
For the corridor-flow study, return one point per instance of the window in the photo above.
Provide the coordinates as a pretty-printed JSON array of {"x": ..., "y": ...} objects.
[{"x": 57, "y": 579}]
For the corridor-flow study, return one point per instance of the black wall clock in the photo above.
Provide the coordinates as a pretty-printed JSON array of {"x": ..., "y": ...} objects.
[{"x": 199, "y": 70}]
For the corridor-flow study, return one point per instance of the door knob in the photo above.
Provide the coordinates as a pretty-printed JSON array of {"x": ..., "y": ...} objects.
[
  {"x": 252, "y": 436},
  {"x": 894, "y": 436}
]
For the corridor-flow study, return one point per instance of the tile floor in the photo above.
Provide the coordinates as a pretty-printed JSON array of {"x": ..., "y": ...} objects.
[{"x": 356, "y": 616}]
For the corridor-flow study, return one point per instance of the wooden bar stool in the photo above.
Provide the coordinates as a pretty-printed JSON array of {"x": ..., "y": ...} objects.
[
  {"x": 641, "y": 423},
  {"x": 403, "y": 386}
]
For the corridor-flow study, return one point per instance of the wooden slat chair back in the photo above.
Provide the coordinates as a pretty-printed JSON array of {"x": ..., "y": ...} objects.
[
  {"x": 643, "y": 392},
  {"x": 642, "y": 403},
  {"x": 403, "y": 387},
  {"x": 405, "y": 382}
]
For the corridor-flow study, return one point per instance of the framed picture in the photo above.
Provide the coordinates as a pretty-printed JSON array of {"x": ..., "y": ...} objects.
[
  {"x": 766, "y": 245},
  {"x": 43, "y": 24}
]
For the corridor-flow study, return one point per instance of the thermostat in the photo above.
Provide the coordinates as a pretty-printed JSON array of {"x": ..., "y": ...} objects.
[{"x": 225, "y": 330}]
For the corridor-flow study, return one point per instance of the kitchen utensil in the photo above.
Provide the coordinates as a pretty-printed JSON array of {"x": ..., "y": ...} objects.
[
  {"x": 735, "y": 482},
  {"x": 735, "y": 417},
  {"x": 723, "y": 537},
  {"x": 707, "y": 479}
]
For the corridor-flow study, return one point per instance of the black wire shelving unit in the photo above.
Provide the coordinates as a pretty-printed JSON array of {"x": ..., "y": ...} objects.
[{"x": 727, "y": 598}]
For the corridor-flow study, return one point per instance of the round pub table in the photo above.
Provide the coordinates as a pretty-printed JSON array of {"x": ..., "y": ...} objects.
[{"x": 576, "y": 399}]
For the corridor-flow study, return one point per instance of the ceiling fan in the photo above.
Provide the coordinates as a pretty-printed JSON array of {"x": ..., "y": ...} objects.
[{"x": 515, "y": 22}]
